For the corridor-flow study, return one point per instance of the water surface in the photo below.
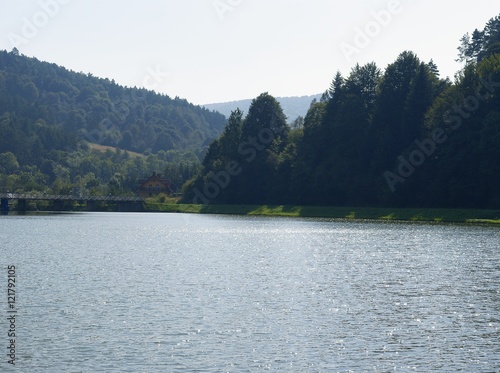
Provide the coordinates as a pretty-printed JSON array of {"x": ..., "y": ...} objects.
[{"x": 117, "y": 292}]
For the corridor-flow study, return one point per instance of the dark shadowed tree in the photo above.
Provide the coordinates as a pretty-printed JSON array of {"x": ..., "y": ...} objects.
[{"x": 264, "y": 136}]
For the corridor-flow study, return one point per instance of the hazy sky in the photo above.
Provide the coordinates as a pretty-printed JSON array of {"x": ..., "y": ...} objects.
[{"x": 221, "y": 50}]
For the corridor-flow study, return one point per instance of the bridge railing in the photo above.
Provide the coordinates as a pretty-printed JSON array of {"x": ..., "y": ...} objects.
[{"x": 61, "y": 197}]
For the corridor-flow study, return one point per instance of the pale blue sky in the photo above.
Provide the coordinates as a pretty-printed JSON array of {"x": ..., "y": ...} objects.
[{"x": 221, "y": 50}]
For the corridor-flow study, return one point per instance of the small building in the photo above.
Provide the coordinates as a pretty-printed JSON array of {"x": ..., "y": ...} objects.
[{"x": 153, "y": 186}]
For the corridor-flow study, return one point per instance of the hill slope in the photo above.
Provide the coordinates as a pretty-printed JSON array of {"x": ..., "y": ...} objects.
[
  {"x": 49, "y": 116},
  {"x": 101, "y": 111}
]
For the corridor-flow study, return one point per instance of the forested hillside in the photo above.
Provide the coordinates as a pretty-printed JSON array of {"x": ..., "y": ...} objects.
[
  {"x": 52, "y": 122},
  {"x": 401, "y": 136}
]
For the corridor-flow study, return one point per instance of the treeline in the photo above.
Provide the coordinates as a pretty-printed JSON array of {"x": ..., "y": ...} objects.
[
  {"x": 86, "y": 170},
  {"x": 399, "y": 137},
  {"x": 53, "y": 121}
]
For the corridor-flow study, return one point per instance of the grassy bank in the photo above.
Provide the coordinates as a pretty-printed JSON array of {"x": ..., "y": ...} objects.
[{"x": 408, "y": 214}]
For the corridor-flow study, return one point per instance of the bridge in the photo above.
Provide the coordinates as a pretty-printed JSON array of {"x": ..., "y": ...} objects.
[{"x": 123, "y": 203}]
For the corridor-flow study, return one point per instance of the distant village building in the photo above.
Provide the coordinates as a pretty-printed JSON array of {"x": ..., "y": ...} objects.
[{"x": 153, "y": 186}]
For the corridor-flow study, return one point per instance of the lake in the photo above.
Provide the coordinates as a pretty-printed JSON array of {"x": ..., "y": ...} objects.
[{"x": 118, "y": 292}]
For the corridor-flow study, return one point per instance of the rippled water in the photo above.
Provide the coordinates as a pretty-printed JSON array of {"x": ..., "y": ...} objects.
[{"x": 104, "y": 292}]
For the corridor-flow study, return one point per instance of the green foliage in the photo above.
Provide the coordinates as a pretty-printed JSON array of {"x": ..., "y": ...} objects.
[
  {"x": 55, "y": 126},
  {"x": 48, "y": 115},
  {"x": 8, "y": 163},
  {"x": 255, "y": 146},
  {"x": 481, "y": 44},
  {"x": 365, "y": 126}
]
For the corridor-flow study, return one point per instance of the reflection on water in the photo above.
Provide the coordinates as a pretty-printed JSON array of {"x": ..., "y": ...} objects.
[{"x": 172, "y": 292}]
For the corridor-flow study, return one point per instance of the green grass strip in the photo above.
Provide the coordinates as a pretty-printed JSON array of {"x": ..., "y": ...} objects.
[{"x": 474, "y": 216}]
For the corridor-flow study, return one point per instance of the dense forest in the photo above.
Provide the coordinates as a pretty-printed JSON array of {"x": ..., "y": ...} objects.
[
  {"x": 68, "y": 132},
  {"x": 395, "y": 137},
  {"x": 399, "y": 136}
]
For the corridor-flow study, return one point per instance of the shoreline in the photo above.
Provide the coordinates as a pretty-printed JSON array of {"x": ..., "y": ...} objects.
[
  {"x": 429, "y": 215},
  {"x": 474, "y": 216}
]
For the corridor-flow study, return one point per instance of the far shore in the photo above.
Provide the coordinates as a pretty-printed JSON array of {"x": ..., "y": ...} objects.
[
  {"x": 354, "y": 213},
  {"x": 470, "y": 216}
]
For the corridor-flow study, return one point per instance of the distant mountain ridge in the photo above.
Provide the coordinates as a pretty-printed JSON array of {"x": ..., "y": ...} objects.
[{"x": 293, "y": 107}]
